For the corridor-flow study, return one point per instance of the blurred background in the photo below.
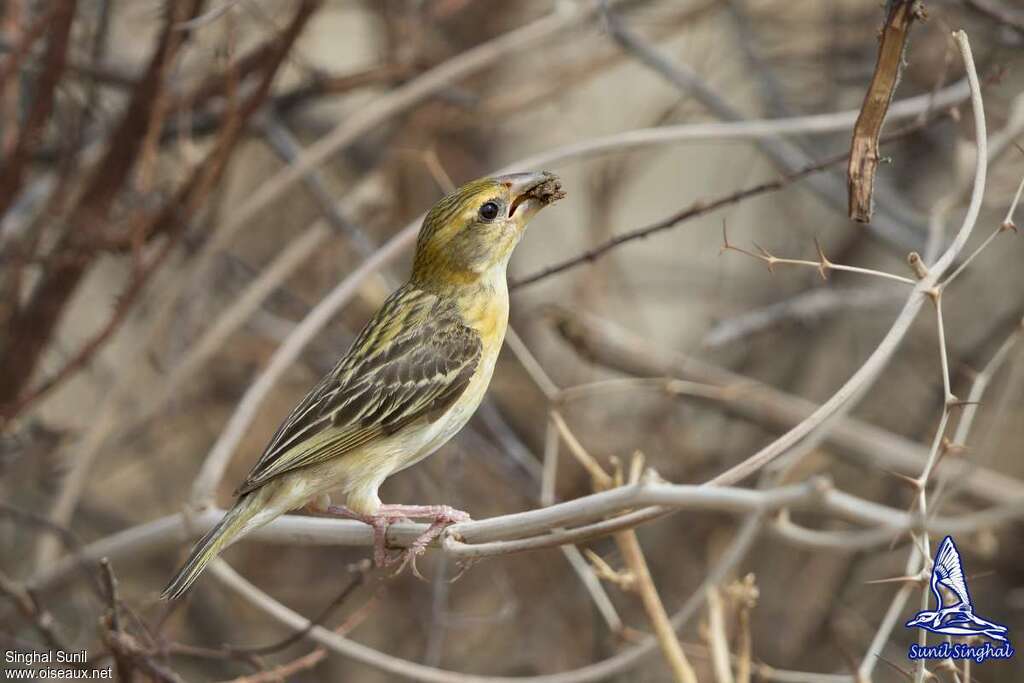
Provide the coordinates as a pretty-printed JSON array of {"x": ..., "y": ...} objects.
[{"x": 155, "y": 251}]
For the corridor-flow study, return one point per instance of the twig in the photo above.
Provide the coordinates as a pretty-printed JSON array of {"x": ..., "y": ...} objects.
[
  {"x": 629, "y": 546},
  {"x": 359, "y": 574},
  {"x": 583, "y": 570},
  {"x": 35, "y": 321},
  {"x": 717, "y": 638},
  {"x": 111, "y": 621},
  {"x": 281, "y": 140},
  {"x": 31, "y": 609},
  {"x": 663, "y": 630},
  {"x": 67, "y": 537},
  {"x": 171, "y": 219},
  {"x": 1006, "y": 226},
  {"x": 132, "y": 292},
  {"x": 57, "y": 23},
  {"x": 744, "y": 593},
  {"x": 125, "y": 645},
  {"x": 864, "y": 148},
  {"x": 822, "y": 265}
]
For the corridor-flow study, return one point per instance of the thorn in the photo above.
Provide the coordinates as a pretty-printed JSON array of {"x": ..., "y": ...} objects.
[
  {"x": 625, "y": 580},
  {"x": 1008, "y": 225},
  {"x": 823, "y": 263},
  {"x": 725, "y": 240},
  {"x": 767, "y": 257},
  {"x": 899, "y": 579},
  {"x": 951, "y": 448}
]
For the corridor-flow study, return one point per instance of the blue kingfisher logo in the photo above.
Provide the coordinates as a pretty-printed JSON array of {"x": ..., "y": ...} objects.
[{"x": 954, "y": 615}]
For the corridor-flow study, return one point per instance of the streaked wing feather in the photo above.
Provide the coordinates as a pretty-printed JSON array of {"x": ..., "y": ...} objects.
[{"x": 413, "y": 360}]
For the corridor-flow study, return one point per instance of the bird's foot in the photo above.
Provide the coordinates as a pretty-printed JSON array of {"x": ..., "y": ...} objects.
[{"x": 440, "y": 516}]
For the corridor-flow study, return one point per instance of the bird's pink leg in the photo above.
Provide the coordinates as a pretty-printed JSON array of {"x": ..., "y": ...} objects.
[
  {"x": 380, "y": 524},
  {"x": 440, "y": 516}
]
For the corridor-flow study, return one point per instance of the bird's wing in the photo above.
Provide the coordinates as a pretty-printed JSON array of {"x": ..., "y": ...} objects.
[
  {"x": 950, "y": 571},
  {"x": 412, "y": 360}
]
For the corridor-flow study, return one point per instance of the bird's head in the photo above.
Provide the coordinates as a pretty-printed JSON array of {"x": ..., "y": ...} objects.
[{"x": 474, "y": 229}]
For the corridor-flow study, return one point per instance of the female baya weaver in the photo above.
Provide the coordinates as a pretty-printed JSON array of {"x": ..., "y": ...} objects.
[{"x": 411, "y": 380}]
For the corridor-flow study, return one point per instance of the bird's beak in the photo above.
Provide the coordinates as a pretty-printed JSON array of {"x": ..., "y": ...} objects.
[{"x": 530, "y": 192}]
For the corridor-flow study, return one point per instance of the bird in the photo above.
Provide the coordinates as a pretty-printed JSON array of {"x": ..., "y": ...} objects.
[
  {"x": 955, "y": 619},
  {"x": 411, "y": 380}
]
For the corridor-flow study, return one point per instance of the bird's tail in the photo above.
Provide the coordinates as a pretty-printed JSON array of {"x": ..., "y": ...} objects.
[{"x": 209, "y": 546}]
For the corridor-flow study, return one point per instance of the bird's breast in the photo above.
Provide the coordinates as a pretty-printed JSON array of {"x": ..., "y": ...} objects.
[{"x": 488, "y": 317}]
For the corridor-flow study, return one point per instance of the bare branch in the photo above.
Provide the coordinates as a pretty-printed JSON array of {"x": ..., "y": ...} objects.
[{"x": 864, "y": 148}]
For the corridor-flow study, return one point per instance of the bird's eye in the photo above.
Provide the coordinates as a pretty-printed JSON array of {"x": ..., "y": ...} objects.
[{"x": 489, "y": 211}]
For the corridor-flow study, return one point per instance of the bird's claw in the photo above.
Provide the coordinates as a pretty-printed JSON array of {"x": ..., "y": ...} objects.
[{"x": 441, "y": 516}]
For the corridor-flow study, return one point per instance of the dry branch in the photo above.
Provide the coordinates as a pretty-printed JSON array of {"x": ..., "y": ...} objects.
[
  {"x": 171, "y": 220},
  {"x": 28, "y": 605},
  {"x": 33, "y": 323},
  {"x": 864, "y": 149},
  {"x": 57, "y": 23}
]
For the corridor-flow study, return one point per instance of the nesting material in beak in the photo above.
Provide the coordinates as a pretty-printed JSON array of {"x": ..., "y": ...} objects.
[{"x": 532, "y": 191}]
